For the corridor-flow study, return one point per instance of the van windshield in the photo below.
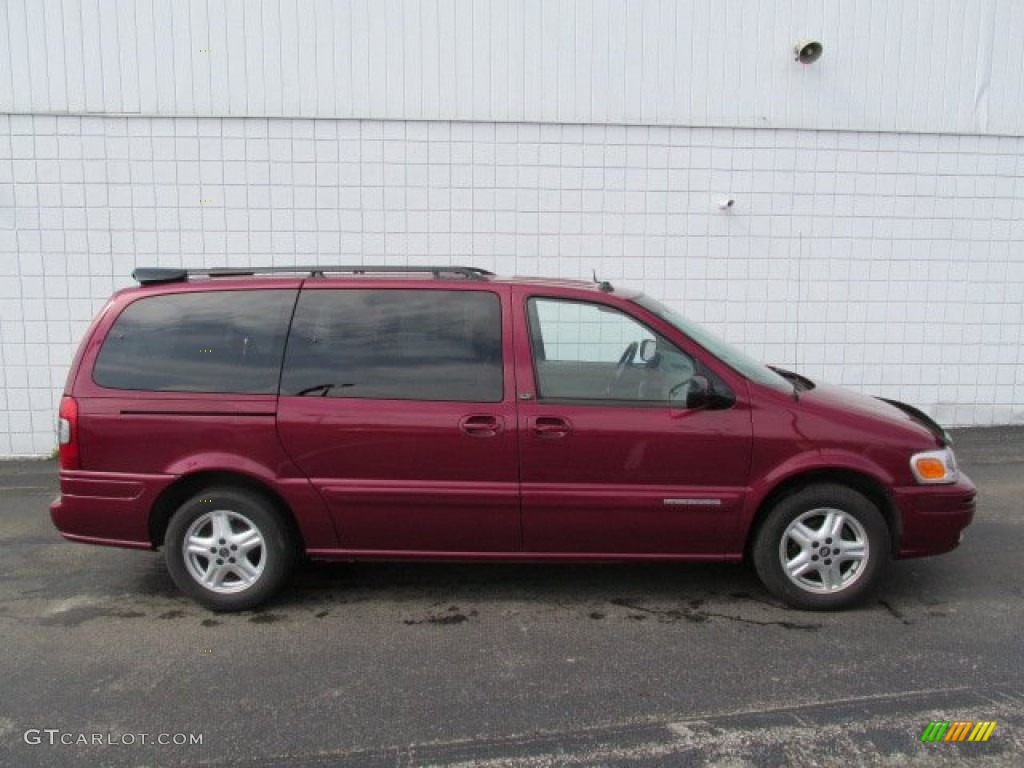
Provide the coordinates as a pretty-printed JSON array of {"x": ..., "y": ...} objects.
[{"x": 727, "y": 353}]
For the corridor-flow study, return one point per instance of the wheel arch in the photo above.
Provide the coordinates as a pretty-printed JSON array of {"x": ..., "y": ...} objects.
[
  {"x": 186, "y": 486},
  {"x": 872, "y": 488}
]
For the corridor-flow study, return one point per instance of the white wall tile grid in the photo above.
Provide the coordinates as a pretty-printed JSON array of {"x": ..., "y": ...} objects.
[
  {"x": 888, "y": 262},
  {"x": 944, "y": 66}
]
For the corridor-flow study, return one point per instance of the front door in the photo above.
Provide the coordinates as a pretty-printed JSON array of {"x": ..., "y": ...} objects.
[
  {"x": 399, "y": 407},
  {"x": 611, "y": 459}
]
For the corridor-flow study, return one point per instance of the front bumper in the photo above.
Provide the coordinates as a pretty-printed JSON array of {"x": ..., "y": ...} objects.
[{"x": 933, "y": 517}]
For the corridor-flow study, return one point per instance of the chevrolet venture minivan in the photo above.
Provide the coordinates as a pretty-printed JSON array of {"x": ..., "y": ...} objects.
[{"x": 241, "y": 419}]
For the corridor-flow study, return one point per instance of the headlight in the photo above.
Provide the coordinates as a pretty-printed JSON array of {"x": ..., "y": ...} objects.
[{"x": 933, "y": 467}]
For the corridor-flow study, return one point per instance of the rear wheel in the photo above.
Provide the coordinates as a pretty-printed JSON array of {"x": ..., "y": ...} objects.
[
  {"x": 228, "y": 548},
  {"x": 822, "y": 548}
]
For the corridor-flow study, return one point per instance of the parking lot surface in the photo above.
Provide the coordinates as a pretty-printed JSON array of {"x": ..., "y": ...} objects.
[{"x": 409, "y": 664}]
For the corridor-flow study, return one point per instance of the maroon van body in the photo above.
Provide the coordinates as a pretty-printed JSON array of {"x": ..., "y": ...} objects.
[{"x": 520, "y": 477}]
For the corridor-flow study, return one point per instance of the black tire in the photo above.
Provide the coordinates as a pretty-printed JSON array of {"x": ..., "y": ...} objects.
[
  {"x": 828, "y": 574},
  {"x": 251, "y": 548}
]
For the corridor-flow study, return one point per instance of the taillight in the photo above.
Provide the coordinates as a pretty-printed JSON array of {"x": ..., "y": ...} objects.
[{"x": 67, "y": 434}]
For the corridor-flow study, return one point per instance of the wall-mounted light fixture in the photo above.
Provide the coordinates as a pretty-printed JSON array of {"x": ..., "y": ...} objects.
[{"x": 808, "y": 51}]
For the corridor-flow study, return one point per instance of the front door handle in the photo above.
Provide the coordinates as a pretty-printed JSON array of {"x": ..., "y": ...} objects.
[
  {"x": 551, "y": 427},
  {"x": 483, "y": 425}
]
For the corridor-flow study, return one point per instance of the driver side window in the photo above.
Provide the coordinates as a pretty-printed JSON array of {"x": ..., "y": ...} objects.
[{"x": 587, "y": 351}]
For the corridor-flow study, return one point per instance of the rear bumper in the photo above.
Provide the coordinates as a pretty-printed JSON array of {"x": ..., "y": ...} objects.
[
  {"x": 933, "y": 517},
  {"x": 107, "y": 508}
]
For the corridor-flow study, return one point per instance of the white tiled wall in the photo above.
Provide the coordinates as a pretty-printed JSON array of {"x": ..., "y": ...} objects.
[
  {"x": 891, "y": 263},
  {"x": 931, "y": 66}
]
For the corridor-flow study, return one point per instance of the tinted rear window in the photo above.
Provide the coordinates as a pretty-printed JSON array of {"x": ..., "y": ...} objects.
[
  {"x": 396, "y": 344},
  {"x": 209, "y": 341}
]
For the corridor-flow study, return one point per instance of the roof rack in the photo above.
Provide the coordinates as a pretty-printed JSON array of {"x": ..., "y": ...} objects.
[{"x": 152, "y": 275}]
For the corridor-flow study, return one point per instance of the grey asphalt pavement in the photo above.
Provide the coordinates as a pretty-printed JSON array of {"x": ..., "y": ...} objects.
[{"x": 410, "y": 664}]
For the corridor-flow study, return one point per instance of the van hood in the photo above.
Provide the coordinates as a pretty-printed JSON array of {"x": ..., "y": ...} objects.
[{"x": 842, "y": 399}]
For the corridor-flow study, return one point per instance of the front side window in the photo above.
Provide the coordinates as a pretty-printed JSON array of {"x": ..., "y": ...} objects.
[
  {"x": 207, "y": 341},
  {"x": 396, "y": 344},
  {"x": 586, "y": 351}
]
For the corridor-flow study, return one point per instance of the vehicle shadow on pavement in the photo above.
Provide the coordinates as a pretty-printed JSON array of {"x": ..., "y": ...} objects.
[{"x": 115, "y": 584}]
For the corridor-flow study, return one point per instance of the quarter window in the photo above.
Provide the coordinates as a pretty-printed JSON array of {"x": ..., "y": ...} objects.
[
  {"x": 207, "y": 341},
  {"x": 396, "y": 344}
]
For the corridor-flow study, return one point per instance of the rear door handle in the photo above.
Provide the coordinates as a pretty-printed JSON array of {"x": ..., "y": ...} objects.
[
  {"x": 483, "y": 425},
  {"x": 551, "y": 427}
]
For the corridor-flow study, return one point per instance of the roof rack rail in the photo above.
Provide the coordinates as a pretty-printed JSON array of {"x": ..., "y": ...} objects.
[{"x": 152, "y": 275}]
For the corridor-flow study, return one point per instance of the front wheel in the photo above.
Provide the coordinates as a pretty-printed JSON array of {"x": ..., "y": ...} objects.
[
  {"x": 822, "y": 548},
  {"x": 228, "y": 548}
]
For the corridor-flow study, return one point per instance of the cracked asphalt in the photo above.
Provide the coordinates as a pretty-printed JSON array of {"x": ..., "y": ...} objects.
[{"x": 406, "y": 664}]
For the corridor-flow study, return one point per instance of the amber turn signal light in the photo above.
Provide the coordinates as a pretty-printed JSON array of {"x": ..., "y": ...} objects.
[{"x": 934, "y": 466}]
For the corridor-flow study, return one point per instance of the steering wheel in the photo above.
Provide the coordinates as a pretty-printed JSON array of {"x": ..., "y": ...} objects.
[{"x": 625, "y": 359}]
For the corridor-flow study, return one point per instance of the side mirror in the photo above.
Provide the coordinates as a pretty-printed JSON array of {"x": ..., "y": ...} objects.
[
  {"x": 701, "y": 394},
  {"x": 648, "y": 350},
  {"x": 698, "y": 393}
]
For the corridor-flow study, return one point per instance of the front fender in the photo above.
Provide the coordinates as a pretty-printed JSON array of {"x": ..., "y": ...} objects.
[{"x": 807, "y": 463}]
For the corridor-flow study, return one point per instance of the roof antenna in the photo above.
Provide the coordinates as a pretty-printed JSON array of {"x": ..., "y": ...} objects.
[{"x": 603, "y": 285}]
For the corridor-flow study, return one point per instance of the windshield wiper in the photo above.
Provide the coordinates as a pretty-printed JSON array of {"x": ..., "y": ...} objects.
[{"x": 799, "y": 382}]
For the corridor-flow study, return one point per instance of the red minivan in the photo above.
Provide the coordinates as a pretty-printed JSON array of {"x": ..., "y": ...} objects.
[{"x": 241, "y": 419}]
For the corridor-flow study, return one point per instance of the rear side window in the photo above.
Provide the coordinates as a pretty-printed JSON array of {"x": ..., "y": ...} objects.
[
  {"x": 396, "y": 344},
  {"x": 209, "y": 341}
]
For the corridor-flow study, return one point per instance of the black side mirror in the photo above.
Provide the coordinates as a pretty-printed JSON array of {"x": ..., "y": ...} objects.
[
  {"x": 701, "y": 393},
  {"x": 698, "y": 393}
]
